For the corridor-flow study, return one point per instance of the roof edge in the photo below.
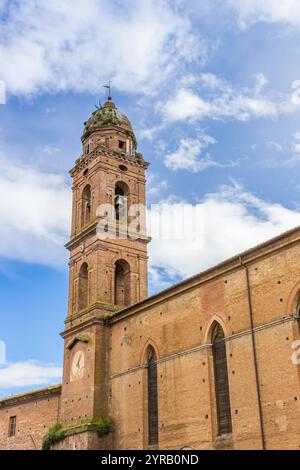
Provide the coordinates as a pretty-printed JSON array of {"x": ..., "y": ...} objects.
[
  {"x": 201, "y": 275},
  {"x": 31, "y": 395}
]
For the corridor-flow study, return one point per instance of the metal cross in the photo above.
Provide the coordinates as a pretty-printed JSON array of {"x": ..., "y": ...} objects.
[{"x": 109, "y": 88}]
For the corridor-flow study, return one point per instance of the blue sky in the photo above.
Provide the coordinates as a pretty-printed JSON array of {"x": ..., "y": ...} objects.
[{"x": 212, "y": 89}]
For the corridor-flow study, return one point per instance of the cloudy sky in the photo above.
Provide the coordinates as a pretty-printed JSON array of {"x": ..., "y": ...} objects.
[{"x": 212, "y": 88}]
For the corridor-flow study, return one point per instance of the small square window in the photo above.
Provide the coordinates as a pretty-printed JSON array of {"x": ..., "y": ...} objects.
[
  {"x": 12, "y": 426},
  {"x": 87, "y": 149},
  {"x": 121, "y": 144}
]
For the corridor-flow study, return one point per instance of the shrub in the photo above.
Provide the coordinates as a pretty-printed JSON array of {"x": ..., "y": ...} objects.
[
  {"x": 103, "y": 426},
  {"x": 55, "y": 434}
]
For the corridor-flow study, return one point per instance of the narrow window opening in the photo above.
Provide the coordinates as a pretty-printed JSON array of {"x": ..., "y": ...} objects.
[
  {"x": 121, "y": 145},
  {"x": 152, "y": 398},
  {"x": 12, "y": 426},
  {"x": 221, "y": 382},
  {"x": 297, "y": 311},
  {"x": 86, "y": 205},
  {"x": 83, "y": 287},
  {"x": 121, "y": 202},
  {"x": 122, "y": 283}
]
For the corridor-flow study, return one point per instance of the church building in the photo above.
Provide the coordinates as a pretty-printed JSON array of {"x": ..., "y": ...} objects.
[{"x": 212, "y": 362}]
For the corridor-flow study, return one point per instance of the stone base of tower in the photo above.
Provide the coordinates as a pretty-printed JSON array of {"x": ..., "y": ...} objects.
[{"x": 84, "y": 438}]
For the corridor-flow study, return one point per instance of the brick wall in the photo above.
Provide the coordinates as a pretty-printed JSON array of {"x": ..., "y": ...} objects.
[
  {"x": 178, "y": 324},
  {"x": 35, "y": 413}
]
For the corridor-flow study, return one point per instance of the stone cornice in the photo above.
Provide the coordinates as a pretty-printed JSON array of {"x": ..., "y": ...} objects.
[
  {"x": 90, "y": 308},
  {"x": 41, "y": 393},
  {"x": 77, "y": 327},
  {"x": 101, "y": 150},
  {"x": 75, "y": 324},
  {"x": 92, "y": 227},
  {"x": 83, "y": 233}
]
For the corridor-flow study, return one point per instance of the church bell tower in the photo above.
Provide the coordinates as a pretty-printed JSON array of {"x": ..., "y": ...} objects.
[{"x": 108, "y": 261}]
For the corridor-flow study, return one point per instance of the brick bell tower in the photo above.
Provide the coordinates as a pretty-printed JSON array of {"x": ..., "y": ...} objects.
[{"x": 108, "y": 264}]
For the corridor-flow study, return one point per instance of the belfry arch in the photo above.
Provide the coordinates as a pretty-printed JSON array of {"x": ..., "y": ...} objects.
[
  {"x": 121, "y": 202},
  {"x": 83, "y": 286},
  {"x": 86, "y": 205},
  {"x": 122, "y": 283}
]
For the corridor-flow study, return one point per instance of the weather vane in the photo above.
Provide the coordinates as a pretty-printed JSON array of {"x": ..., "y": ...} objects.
[{"x": 109, "y": 89}]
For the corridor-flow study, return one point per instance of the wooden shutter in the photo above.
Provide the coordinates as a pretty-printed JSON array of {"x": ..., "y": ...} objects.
[
  {"x": 221, "y": 383},
  {"x": 152, "y": 398}
]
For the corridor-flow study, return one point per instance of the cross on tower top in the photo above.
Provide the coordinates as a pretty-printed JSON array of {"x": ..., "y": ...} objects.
[{"x": 108, "y": 86}]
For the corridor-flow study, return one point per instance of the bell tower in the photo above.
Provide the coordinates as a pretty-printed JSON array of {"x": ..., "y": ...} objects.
[{"x": 108, "y": 257}]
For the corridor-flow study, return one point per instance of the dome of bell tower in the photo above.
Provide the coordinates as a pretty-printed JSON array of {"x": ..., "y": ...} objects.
[{"x": 106, "y": 117}]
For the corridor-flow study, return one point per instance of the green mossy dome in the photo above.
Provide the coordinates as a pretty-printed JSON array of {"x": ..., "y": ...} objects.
[{"x": 107, "y": 115}]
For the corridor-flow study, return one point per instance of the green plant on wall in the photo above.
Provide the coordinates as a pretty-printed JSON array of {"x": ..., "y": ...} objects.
[
  {"x": 55, "y": 434},
  {"x": 102, "y": 425}
]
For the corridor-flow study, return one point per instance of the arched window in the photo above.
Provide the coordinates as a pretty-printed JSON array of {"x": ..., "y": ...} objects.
[
  {"x": 83, "y": 287},
  {"x": 122, "y": 283},
  {"x": 86, "y": 205},
  {"x": 221, "y": 381},
  {"x": 296, "y": 309},
  {"x": 152, "y": 397},
  {"x": 121, "y": 202}
]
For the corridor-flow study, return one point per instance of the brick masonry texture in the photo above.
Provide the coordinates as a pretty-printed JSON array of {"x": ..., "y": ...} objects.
[
  {"x": 35, "y": 412},
  {"x": 105, "y": 371}
]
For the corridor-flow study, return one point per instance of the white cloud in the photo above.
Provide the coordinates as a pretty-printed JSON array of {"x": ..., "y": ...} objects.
[
  {"x": 50, "y": 109},
  {"x": 296, "y": 147},
  {"x": 149, "y": 133},
  {"x": 159, "y": 278},
  {"x": 50, "y": 150},
  {"x": 2, "y": 92},
  {"x": 231, "y": 221},
  {"x": 272, "y": 145},
  {"x": 185, "y": 105},
  {"x": 155, "y": 185},
  {"x": 188, "y": 155},
  {"x": 56, "y": 46},
  {"x": 28, "y": 374},
  {"x": 211, "y": 81},
  {"x": 252, "y": 11},
  {"x": 226, "y": 102},
  {"x": 260, "y": 82},
  {"x": 283, "y": 156},
  {"x": 295, "y": 98},
  {"x": 35, "y": 210}
]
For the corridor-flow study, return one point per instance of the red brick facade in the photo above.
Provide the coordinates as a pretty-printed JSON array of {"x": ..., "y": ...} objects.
[
  {"x": 111, "y": 323},
  {"x": 35, "y": 412}
]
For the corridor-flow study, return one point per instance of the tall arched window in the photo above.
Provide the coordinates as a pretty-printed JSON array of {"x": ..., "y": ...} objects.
[
  {"x": 86, "y": 205},
  {"x": 122, "y": 283},
  {"x": 121, "y": 201},
  {"x": 83, "y": 287},
  {"x": 221, "y": 381},
  {"x": 296, "y": 309},
  {"x": 152, "y": 397}
]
